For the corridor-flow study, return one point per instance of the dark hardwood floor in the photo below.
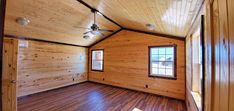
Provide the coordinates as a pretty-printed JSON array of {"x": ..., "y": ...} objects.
[{"x": 90, "y": 96}]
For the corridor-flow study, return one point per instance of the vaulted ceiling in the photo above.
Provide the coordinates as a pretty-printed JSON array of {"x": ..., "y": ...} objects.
[{"x": 60, "y": 20}]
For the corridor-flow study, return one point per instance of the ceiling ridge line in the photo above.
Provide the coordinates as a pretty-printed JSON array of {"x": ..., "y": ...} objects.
[
  {"x": 156, "y": 34},
  {"x": 91, "y": 8},
  {"x": 106, "y": 37},
  {"x": 139, "y": 31}
]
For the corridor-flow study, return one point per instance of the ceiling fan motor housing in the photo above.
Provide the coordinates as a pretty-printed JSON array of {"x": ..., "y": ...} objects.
[{"x": 94, "y": 27}]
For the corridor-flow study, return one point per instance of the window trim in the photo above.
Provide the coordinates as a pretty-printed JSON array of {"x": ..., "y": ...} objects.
[
  {"x": 92, "y": 60},
  {"x": 202, "y": 38},
  {"x": 175, "y": 62}
]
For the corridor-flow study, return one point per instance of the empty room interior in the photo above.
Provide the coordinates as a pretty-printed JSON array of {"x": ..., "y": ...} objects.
[{"x": 117, "y": 55}]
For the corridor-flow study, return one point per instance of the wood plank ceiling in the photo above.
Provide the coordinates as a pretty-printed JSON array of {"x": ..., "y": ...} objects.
[
  {"x": 171, "y": 17},
  {"x": 58, "y": 20},
  {"x": 53, "y": 20}
]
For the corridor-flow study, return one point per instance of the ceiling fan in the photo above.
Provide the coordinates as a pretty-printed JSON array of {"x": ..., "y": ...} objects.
[{"x": 94, "y": 29}]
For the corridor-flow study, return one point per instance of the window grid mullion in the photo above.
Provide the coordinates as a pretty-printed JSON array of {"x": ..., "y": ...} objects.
[{"x": 158, "y": 68}]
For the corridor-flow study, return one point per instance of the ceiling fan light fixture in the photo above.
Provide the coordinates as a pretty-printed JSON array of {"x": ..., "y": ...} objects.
[
  {"x": 23, "y": 21},
  {"x": 94, "y": 29},
  {"x": 150, "y": 26}
]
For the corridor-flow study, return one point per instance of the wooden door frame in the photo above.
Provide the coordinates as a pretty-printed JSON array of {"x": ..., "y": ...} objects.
[
  {"x": 202, "y": 38},
  {"x": 2, "y": 19}
]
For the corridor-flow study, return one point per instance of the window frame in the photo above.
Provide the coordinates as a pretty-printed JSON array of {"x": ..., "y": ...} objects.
[
  {"x": 92, "y": 60},
  {"x": 174, "y": 61},
  {"x": 202, "y": 43}
]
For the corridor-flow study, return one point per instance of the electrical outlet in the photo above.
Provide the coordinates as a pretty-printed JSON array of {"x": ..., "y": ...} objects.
[{"x": 146, "y": 86}]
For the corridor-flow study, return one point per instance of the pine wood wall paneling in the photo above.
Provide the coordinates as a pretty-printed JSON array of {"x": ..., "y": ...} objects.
[
  {"x": 10, "y": 74},
  {"x": 216, "y": 53},
  {"x": 126, "y": 64},
  {"x": 208, "y": 57},
  {"x": 231, "y": 44},
  {"x": 45, "y": 66},
  {"x": 224, "y": 55},
  {"x": 2, "y": 20},
  {"x": 221, "y": 19}
]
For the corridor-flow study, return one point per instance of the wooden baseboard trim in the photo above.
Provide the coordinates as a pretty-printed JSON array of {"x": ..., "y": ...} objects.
[
  {"x": 52, "y": 89},
  {"x": 102, "y": 84},
  {"x": 136, "y": 90}
]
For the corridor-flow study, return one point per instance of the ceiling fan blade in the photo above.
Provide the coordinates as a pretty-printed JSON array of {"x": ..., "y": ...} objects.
[
  {"x": 87, "y": 32},
  {"x": 101, "y": 33},
  {"x": 82, "y": 28},
  {"x": 105, "y": 30},
  {"x": 97, "y": 33}
]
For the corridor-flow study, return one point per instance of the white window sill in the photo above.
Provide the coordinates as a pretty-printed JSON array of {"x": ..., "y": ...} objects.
[{"x": 197, "y": 99}]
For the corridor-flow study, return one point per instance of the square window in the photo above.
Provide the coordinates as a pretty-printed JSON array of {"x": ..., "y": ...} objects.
[{"x": 162, "y": 61}]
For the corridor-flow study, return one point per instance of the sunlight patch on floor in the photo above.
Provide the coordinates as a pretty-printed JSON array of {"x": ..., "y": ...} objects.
[{"x": 136, "y": 109}]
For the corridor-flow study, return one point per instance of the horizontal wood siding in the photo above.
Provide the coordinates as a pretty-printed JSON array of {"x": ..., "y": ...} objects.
[
  {"x": 126, "y": 64},
  {"x": 44, "y": 66}
]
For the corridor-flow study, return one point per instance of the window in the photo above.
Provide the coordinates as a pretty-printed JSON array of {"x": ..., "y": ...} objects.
[
  {"x": 162, "y": 61},
  {"x": 97, "y": 60},
  {"x": 197, "y": 67},
  {"x": 196, "y": 62}
]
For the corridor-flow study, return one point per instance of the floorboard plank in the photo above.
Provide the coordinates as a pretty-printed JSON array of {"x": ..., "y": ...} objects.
[{"x": 90, "y": 96}]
